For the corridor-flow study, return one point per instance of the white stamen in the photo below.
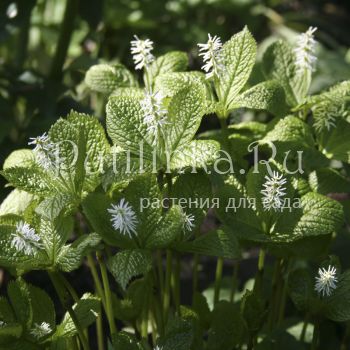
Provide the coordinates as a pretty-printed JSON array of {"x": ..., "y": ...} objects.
[
  {"x": 141, "y": 51},
  {"x": 326, "y": 280},
  {"x": 123, "y": 217}
]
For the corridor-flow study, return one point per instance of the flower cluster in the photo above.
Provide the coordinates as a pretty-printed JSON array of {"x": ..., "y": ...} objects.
[
  {"x": 141, "y": 51},
  {"x": 41, "y": 330},
  {"x": 42, "y": 150},
  {"x": 211, "y": 52},
  {"x": 305, "y": 51},
  {"x": 273, "y": 191},
  {"x": 25, "y": 239},
  {"x": 155, "y": 116},
  {"x": 326, "y": 280},
  {"x": 123, "y": 217}
]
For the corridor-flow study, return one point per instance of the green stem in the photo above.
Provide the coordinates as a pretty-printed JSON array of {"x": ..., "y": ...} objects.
[
  {"x": 69, "y": 287},
  {"x": 218, "y": 279},
  {"x": 195, "y": 276},
  {"x": 62, "y": 295},
  {"x": 160, "y": 271},
  {"x": 99, "y": 332},
  {"x": 259, "y": 275},
  {"x": 315, "y": 336},
  {"x": 168, "y": 273},
  {"x": 108, "y": 295},
  {"x": 176, "y": 282},
  {"x": 303, "y": 331},
  {"x": 64, "y": 39},
  {"x": 96, "y": 278},
  {"x": 234, "y": 281}
]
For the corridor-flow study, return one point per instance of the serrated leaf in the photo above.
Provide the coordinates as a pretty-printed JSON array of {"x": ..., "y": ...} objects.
[
  {"x": 16, "y": 202},
  {"x": 238, "y": 58},
  {"x": 327, "y": 181},
  {"x": 125, "y": 341},
  {"x": 21, "y": 157},
  {"x": 106, "y": 78},
  {"x": 70, "y": 256},
  {"x": 185, "y": 115},
  {"x": 268, "y": 95},
  {"x": 227, "y": 327},
  {"x": 125, "y": 125},
  {"x": 279, "y": 64},
  {"x": 86, "y": 311},
  {"x": 168, "y": 229},
  {"x": 219, "y": 243},
  {"x": 129, "y": 264},
  {"x": 195, "y": 154},
  {"x": 174, "y": 61}
]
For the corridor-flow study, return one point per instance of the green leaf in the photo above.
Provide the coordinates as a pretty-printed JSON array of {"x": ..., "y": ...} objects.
[
  {"x": 175, "y": 61},
  {"x": 95, "y": 207},
  {"x": 16, "y": 202},
  {"x": 171, "y": 83},
  {"x": 34, "y": 181},
  {"x": 227, "y": 327},
  {"x": 195, "y": 154},
  {"x": 125, "y": 125},
  {"x": 19, "y": 296},
  {"x": 335, "y": 143},
  {"x": 253, "y": 311},
  {"x": 219, "y": 243},
  {"x": 337, "y": 306},
  {"x": 71, "y": 256},
  {"x": 129, "y": 264},
  {"x": 279, "y": 64},
  {"x": 238, "y": 58},
  {"x": 106, "y": 78},
  {"x": 125, "y": 341},
  {"x": 327, "y": 181},
  {"x": 86, "y": 311},
  {"x": 268, "y": 95},
  {"x": 22, "y": 157},
  {"x": 185, "y": 115},
  {"x": 168, "y": 229}
]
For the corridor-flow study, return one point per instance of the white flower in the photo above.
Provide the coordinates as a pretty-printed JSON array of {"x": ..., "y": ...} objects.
[
  {"x": 155, "y": 116},
  {"x": 42, "y": 150},
  {"x": 305, "y": 51},
  {"x": 25, "y": 239},
  {"x": 123, "y": 217},
  {"x": 2, "y": 324},
  {"x": 141, "y": 51},
  {"x": 211, "y": 52},
  {"x": 273, "y": 191},
  {"x": 188, "y": 222},
  {"x": 41, "y": 330},
  {"x": 326, "y": 280}
]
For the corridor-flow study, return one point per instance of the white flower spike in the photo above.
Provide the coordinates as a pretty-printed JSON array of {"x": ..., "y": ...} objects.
[
  {"x": 141, "y": 51},
  {"x": 41, "y": 330},
  {"x": 305, "y": 51},
  {"x": 273, "y": 192},
  {"x": 123, "y": 217},
  {"x": 326, "y": 280},
  {"x": 189, "y": 222},
  {"x": 211, "y": 52},
  {"x": 25, "y": 239},
  {"x": 155, "y": 116},
  {"x": 42, "y": 150}
]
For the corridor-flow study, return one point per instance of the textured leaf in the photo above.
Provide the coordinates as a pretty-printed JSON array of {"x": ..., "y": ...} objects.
[
  {"x": 238, "y": 58},
  {"x": 185, "y": 115},
  {"x": 125, "y": 125},
  {"x": 279, "y": 64},
  {"x": 217, "y": 243},
  {"x": 268, "y": 96},
  {"x": 86, "y": 310},
  {"x": 196, "y": 154},
  {"x": 174, "y": 61},
  {"x": 106, "y": 78},
  {"x": 16, "y": 202},
  {"x": 129, "y": 264},
  {"x": 168, "y": 229},
  {"x": 327, "y": 181},
  {"x": 71, "y": 256},
  {"x": 21, "y": 157}
]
